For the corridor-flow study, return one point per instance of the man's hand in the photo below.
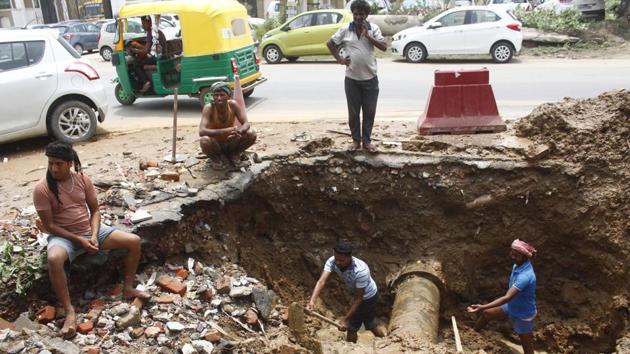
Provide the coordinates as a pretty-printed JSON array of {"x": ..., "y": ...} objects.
[
  {"x": 364, "y": 30},
  {"x": 310, "y": 306},
  {"x": 88, "y": 245},
  {"x": 234, "y": 133},
  {"x": 344, "y": 61},
  {"x": 473, "y": 308},
  {"x": 343, "y": 325}
]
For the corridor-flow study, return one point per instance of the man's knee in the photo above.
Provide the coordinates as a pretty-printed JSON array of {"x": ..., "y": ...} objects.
[
  {"x": 209, "y": 145},
  {"x": 251, "y": 136},
  {"x": 134, "y": 243},
  {"x": 56, "y": 257}
]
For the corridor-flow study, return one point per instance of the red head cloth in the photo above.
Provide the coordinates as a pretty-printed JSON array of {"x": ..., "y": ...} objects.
[{"x": 524, "y": 248}]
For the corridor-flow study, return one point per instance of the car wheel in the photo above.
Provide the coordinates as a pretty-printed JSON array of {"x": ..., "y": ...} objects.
[
  {"x": 415, "y": 52},
  {"x": 79, "y": 48},
  {"x": 125, "y": 98},
  {"x": 73, "y": 121},
  {"x": 272, "y": 54},
  {"x": 502, "y": 52},
  {"x": 292, "y": 59},
  {"x": 248, "y": 93},
  {"x": 106, "y": 53},
  {"x": 205, "y": 96}
]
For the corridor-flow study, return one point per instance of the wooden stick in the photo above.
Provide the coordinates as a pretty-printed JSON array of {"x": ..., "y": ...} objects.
[
  {"x": 239, "y": 322},
  {"x": 458, "y": 341},
  {"x": 325, "y": 319}
]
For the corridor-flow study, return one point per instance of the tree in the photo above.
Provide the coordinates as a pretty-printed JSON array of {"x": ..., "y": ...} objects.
[{"x": 622, "y": 8}]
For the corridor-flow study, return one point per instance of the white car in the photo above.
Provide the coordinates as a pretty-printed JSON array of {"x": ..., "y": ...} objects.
[
  {"x": 511, "y": 4},
  {"x": 595, "y": 9},
  {"x": 47, "y": 88},
  {"x": 134, "y": 30},
  {"x": 462, "y": 30}
]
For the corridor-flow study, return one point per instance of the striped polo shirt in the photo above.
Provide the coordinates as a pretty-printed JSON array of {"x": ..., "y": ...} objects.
[{"x": 356, "y": 276}]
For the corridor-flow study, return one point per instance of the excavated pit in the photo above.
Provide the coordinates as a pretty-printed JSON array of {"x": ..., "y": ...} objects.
[{"x": 462, "y": 214}]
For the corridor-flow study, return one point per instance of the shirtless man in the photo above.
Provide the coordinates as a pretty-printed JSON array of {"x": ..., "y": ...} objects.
[
  {"x": 219, "y": 135},
  {"x": 68, "y": 210}
]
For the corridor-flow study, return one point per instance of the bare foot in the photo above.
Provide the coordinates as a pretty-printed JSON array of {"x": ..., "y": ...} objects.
[
  {"x": 69, "y": 329},
  {"x": 130, "y": 293}
]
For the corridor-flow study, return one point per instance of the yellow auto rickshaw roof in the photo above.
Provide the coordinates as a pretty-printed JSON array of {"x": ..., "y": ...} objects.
[{"x": 206, "y": 24}]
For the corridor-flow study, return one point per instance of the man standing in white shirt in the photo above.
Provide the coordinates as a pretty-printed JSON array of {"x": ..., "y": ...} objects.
[
  {"x": 361, "y": 83},
  {"x": 356, "y": 275}
]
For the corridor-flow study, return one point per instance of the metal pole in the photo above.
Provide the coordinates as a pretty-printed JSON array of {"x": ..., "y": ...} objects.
[{"x": 174, "y": 157}]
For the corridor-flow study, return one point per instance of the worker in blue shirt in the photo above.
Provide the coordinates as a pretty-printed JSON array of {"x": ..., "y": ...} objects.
[{"x": 519, "y": 303}]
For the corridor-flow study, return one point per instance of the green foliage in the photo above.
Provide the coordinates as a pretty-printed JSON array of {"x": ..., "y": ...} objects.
[
  {"x": 19, "y": 269},
  {"x": 567, "y": 22}
]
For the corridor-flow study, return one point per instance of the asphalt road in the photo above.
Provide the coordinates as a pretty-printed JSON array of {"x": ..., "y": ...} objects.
[{"x": 310, "y": 90}]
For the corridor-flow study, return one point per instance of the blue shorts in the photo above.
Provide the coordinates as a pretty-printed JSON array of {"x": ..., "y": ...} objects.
[
  {"x": 73, "y": 250},
  {"x": 365, "y": 315},
  {"x": 521, "y": 326}
]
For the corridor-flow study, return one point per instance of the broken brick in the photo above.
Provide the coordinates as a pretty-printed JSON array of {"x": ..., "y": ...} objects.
[
  {"x": 152, "y": 331},
  {"x": 223, "y": 285},
  {"x": 46, "y": 314},
  {"x": 4, "y": 324},
  {"x": 170, "y": 176},
  {"x": 208, "y": 294},
  {"x": 85, "y": 327},
  {"x": 213, "y": 336},
  {"x": 137, "y": 332},
  {"x": 172, "y": 285},
  {"x": 92, "y": 350},
  {"x": 251, "y": 317},
  {"x": 164, "y": 299},
  {"x": 94, "y": 313},
  {"x": 147, "y": 164},
  {"x": 182, "y": 273},
  {"x": 97, "y": 304}
]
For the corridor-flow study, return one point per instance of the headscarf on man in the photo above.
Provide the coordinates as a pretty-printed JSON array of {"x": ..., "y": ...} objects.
[
  {"x": 65, "y": 152},
  {"x": 221, "y": 86},
  {"x": 524, "y": 248}
]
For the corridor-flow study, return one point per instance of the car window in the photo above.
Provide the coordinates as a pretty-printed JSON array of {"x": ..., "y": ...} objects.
[
  {"x": 61, "y": 29},
  {"x": 301, "y": 21},
  {"x": 238, "y": 27},
  {"x": 12, "y": 56},
  {"x": 91, "y": 27},
  {"x": 483, "y": 16},
  {"x": 134, "y": 27},
  {"x": 111, "y": 28},
  {"x": 165, "y": 23},
  {"x": 35, "y": 51},
  {"x": 78, "y": 28},
  {"x": 453, "y": 19},
  {"x": 327, "y": 18}
]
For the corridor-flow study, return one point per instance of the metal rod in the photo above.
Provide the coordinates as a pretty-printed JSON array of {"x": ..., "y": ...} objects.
[
  {"x": 458, "y": 341},
  {"x": 174, "y": 157}
]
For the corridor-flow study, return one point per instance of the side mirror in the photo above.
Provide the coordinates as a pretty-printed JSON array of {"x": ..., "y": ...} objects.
[{"x": 435, "y": 25}]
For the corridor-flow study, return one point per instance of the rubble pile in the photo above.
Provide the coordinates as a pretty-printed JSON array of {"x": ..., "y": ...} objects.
[{"x": 193, "y": 309}]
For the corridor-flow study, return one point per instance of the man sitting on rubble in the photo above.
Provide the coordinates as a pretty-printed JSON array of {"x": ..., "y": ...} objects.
[
  {"x": 220, "y": 137},
  {"x": 68, "y": 210},
  {"x": 356, "y": 275}
]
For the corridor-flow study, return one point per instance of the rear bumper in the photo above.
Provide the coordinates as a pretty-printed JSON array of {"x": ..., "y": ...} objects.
[{"x": 250, "y": 85}]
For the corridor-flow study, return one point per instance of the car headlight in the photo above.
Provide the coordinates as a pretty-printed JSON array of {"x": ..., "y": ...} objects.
[{"x": 399, "y": 37}]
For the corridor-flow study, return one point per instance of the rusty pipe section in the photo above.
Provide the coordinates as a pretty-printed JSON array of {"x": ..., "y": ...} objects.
[{"x": 416, "y": 309}]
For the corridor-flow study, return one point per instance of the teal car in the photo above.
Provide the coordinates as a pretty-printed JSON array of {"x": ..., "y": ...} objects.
[{"x": 303, "y": 35}]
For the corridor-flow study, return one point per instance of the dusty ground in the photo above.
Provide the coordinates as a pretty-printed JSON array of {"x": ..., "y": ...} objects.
[{"x": 557, "y": 179}]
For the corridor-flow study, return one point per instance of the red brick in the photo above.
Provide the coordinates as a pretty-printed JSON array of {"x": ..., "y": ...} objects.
[
  {"x": 4, "y": 324},
  {"x": 97, "y": 304},
  {"x": 213, "y": 336},
  {"x": 85, "y": 327},
  {"x": 164, "y": 299},
  {"x": 94, "y": 314},
  {"x": 182, "y": 273},
  {"x": 170, "y": 176},
  {"x": 208, "y": 294},
  {"x": 223, "y": 285},
  {"x": 46, "y": 314},
  {"x": 172, "y": 285},
  {"x": 92, "y": 350}
]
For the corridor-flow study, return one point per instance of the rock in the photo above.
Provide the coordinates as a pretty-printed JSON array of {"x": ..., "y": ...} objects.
[
  {"x": 208, "y": 294},
  {"x": 129, "y": 320},
  {"x": 182, "y": 273},
  {"x": 85, "y": 327},
  {"x": 175, "y": 326},
  {"x": 265, "y": 300},
  {"x": 143, "y": 165},
  {"x": 137, "y": 332},
  {"x": 104, "y": 322},
  {"x": 223, "y": 285},
  {"x": 164, "y": 299},
  {"x": 140, "y": 216},
  {"x": 203, "y": 346},
  {"x": 4, "y": 324},
  {"x": 46, "y": 314},
  {"x": 91, "y": 350},
  {"x": 170, "y": 176},
  {"x": 172, "y": 285},
  {"x": 58, "y": 345},
  {"x": 240, "y": 291},
  {"x": 16, "y": 347},
  {"x": 189, "y": 248},
  {"x": 213, "y": 336},
  {"x": 188, "y": 349},
  {"x": 198, "y": 268},
  {"x": 251, "y": 317},
  {"x": 152, "y": 331},
  {"x": 24, "y": 322},
  {"x": 296, "y": 318},
  {"x": 228, "y": 308},
  {"x": 94, "y": 314},
  {"x": 162, "y": 340},
  {"x": 216, "y": 302},
  {"x": 137, "y": 303},
  {"x": 119, "y": 309}
]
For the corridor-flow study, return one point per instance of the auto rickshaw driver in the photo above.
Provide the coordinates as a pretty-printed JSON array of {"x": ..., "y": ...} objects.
[{"x": 143, "y": 55}]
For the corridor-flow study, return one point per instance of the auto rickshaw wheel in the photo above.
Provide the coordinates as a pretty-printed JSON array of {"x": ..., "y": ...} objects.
[
  {"x": 248, "y": 93},
  {"x": 272, "y": 54},
  {"x": 205, "y": 96},
  {"x": 123, "y": 96}
]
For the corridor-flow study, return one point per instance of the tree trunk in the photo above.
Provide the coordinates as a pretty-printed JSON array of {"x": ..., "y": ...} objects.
[
  {"x": 283, "y": 11},
  {"x": 622, "y": 8}
]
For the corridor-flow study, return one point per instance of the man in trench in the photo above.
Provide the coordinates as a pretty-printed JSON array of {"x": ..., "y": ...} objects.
[
  {"x": 356, "y": 275},
  {"x": 68, "y": 211},
  {"x": 519, "y": 302},
  {"x": 220, "y": 137}
]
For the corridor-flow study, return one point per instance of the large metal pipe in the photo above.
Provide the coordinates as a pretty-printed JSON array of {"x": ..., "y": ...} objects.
[{"x": 416, "y": 309}]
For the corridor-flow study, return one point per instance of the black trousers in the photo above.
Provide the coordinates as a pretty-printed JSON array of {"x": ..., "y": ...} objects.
[{"x": 361, "y": 95}]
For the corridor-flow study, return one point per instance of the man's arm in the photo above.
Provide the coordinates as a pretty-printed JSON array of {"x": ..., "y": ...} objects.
[
  {"x": 205, "y": 121},
  {"x": 318, "y": 288},
  {"x": 356, "y": 302},
  {"x": 95, "y": 213},
  {"x": 378, "y": 42},
  {"x": 241, "y": 115},
  {"x": 512, "y": 291},
  {"x": 52, "y": 228}
]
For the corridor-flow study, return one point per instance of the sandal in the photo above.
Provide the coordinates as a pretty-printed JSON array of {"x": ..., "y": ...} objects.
[
  {"x": 371, "y": 148},
  {"x": 354, "y": 146}
]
